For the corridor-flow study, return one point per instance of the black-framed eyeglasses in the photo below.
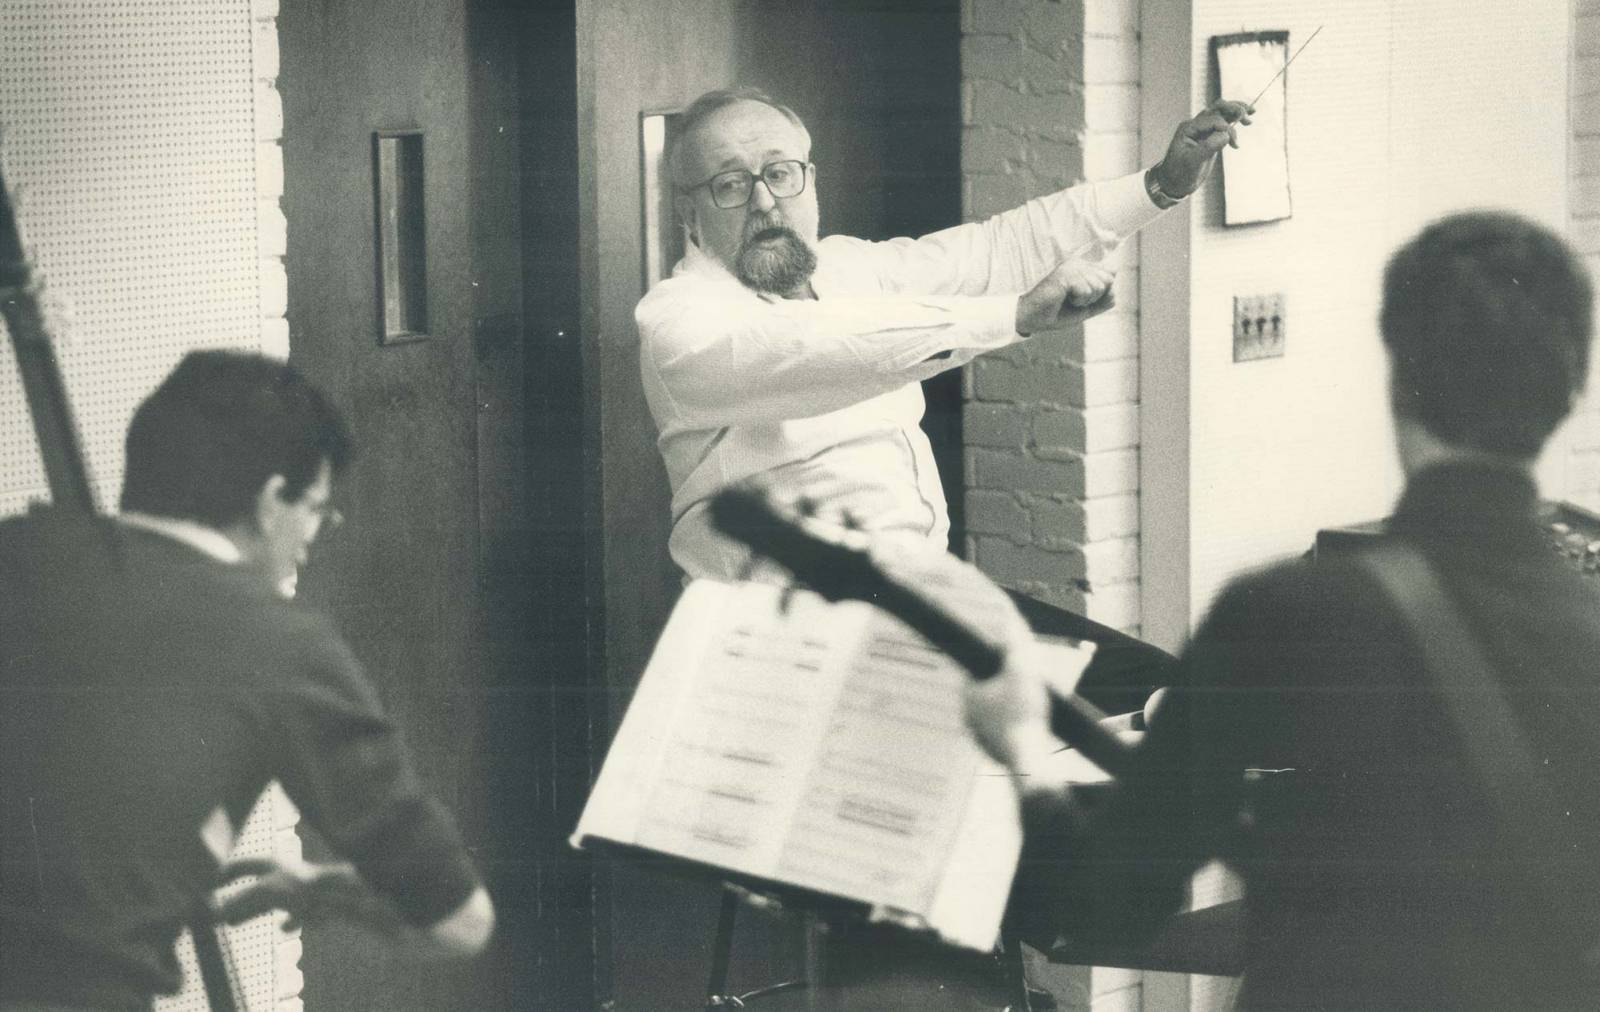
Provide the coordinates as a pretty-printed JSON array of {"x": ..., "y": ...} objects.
[{"x": 733, "y": 188}]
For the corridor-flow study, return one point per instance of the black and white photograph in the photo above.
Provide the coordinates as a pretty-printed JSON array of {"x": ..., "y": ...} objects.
[{"x": 799, "y": 505}]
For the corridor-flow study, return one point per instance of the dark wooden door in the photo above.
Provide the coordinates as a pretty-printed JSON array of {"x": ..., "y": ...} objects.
[{"x": 460, "y": 576}]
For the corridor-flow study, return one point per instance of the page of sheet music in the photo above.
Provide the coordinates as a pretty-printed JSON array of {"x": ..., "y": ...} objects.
[
  {"x": 748, "y": 725},
  {"x": 884, "y": 799},
  {"x": 817, "y": 744}
]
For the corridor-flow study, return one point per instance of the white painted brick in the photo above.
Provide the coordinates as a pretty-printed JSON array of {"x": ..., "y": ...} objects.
[
  {"x": 266, "y": 51},
  {"x": 1111, "y": 17},
  {"x": 287, "y": 980},
  {"x": 1111, "y": 108},
  {"x": 272, "y": 229},
  {"x": 1585, "y": 156},
  {"x": 1125, "y": 288},
  {"x": 1047, "y": 24},
  {"x": 286, "y": 845},
  {"x": 1113, "y": 335},
  {"x": 274, "y": 282},
  {"x": 1111, "y": 516},
  {"x": 1583, "y": 197},
  {"x": 1109, "y": 562},
  {"x": 269, "y": 169},
  {"x": 269, "y": 112},
  {"x": 1586, "y": 75},
  {"x": 1586, "y": 35},
  {"x": 1112, "y": 427},
  {"x": 1114, "y": 472},
  {"x": 1115, "y": 604},
  {"x": 1110, "y": 60},
  {"x": 1585, "y": 113},
  {"x": 1584, "y": 235},
  {"x": 1113, "y": 382},
  {"x": 1583, "y": 472},
  {"x": 1107, "y": 156},
  {"x": 275, "y": 338},
  {"x": 285, "y": 816},
  {"x": 1585, "y": 429},
  {"x": 1113, "y": 987}
]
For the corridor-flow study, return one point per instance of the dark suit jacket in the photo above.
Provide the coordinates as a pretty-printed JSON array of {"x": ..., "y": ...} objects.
[
  {"x": 1373, "y": 876},
  {"x": 143, "y": 685}
]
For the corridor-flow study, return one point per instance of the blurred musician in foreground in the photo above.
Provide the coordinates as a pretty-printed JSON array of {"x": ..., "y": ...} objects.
[
  {"x": 154, "y": 678},
  {"x": 1375, "y": 874}
]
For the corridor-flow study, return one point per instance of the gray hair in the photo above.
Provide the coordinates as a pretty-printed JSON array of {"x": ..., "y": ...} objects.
[{"x": 702, "y": 109}]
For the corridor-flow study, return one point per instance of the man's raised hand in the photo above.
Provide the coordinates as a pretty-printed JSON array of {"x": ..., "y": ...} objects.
[
  {"x": 1195, "y": 145},
  {"x": 1073, "y": 292}
]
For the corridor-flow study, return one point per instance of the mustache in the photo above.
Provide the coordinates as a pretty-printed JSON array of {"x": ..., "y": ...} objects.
[{"x": 758, "y": 229}]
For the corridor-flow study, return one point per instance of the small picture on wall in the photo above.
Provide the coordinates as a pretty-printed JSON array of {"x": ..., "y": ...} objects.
[
  {"x": 1255, "y": 175},
  {"x": 663, "y": 236}
]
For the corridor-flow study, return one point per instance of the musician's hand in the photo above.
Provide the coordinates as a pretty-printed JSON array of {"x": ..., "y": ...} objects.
[
  {"x": 1075, "y": 291},
  {"x": 1009, "y": 714},
  {"x": 309, "y": 893},
  {"x": 958, "y": 588}
]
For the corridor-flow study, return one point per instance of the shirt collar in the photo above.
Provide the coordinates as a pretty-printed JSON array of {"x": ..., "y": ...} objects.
[
  {"x": 203, "y": 539},
  {"x": 698, "y": 261}
]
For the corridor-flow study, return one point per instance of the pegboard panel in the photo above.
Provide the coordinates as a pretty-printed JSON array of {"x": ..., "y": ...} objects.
[
  {"x": 250, "y": 949},
  {"x": 129, "y": 140},
  {"x": 128, "y": 130}
]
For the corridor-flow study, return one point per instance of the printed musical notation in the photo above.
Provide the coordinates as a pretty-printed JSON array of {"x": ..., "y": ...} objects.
[{"x": 814, "y": 744}]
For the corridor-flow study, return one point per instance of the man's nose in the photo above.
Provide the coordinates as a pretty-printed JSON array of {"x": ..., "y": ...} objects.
[{"x": 761, "y": 197}]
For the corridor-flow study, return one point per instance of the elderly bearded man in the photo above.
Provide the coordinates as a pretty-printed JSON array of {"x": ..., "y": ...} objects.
[{"x": 774, "y": 356}]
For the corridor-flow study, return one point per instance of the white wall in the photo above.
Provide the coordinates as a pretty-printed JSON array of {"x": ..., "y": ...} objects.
[
  {"x": 1583, "y": 203},
  {"x": 1401, "y": 110}
]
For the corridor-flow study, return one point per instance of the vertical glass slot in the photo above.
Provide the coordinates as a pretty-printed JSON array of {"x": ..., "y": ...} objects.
[{"x": 402, "y": 256}]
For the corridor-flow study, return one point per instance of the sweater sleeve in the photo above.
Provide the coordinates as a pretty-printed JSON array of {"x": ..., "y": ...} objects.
[{"x": 345, "y": 766}]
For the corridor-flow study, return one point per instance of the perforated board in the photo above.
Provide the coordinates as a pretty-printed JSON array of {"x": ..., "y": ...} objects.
[
  {"x": 129, "y": 136},
  {"x": 127, "y": 129}
]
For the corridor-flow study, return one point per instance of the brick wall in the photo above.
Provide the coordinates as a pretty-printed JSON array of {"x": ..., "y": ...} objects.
[
  {"x": 278, "y": 832},
  {"x": 1583, "y": 469},
  {"x": 1051, "y": 427}
]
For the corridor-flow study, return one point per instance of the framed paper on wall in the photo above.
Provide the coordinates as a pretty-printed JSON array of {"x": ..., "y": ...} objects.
[{"x": 1255, "y": 176}]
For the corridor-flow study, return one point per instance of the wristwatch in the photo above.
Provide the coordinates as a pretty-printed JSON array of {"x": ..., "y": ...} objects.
[{"x": 1158, "y": 196}]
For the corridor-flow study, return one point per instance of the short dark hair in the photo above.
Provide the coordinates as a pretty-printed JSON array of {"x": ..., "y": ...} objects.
[
  {"x": 1486, "y": 316},
  {"x": 702, "y": 109},
  {"x": 203, "y": 444}
]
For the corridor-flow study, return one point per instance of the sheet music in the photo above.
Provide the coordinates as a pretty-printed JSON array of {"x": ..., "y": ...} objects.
[
  {"x": 816, "y": 744},
  {"x": 892, "y": 774},
  {"x": 750, "y": 721}
]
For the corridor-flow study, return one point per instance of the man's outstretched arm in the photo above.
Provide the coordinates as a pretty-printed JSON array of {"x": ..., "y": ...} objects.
[{"x": 316, "y": 893}]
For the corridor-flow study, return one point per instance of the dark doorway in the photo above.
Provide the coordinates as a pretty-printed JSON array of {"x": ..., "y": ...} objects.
[{"x": 462, "y": 579}]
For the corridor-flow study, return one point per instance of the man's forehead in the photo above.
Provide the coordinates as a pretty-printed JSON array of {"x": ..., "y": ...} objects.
[{"x": 747, "y": 132}]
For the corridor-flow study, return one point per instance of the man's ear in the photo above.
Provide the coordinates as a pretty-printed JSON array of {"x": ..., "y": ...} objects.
[
  {"x": 270, "y": 502},
  {"x": 684, "y": 206}
]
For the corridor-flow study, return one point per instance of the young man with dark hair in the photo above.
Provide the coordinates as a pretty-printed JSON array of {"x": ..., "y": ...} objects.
[
  {"x": 155, "y": 676},
  {"x": 1380, "y": 873}
]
